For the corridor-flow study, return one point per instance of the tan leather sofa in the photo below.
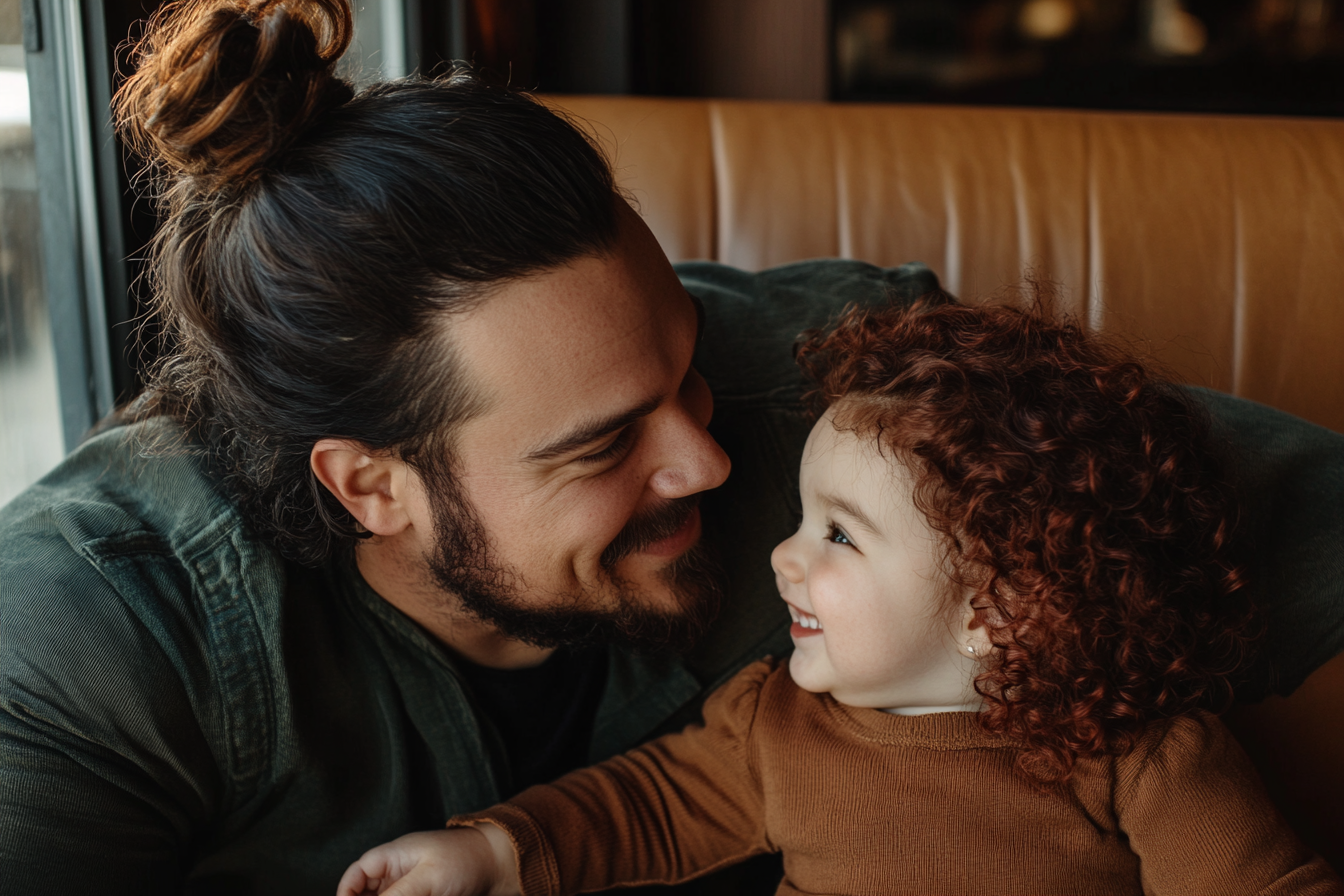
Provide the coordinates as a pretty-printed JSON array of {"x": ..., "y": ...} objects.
[{"x": 1218, "y": 241}]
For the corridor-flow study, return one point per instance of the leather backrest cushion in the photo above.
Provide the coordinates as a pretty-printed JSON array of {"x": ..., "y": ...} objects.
[{"x": 1216, "y": 241}]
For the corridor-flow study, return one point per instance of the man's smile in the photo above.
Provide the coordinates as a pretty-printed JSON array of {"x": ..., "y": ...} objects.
[{"x": 679, "y": 541}]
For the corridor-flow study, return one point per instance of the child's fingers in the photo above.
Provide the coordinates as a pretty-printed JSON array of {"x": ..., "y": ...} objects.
[
  {"x": 456, "y": 862},
  {"x": 423, "y": 880},
  {"x": 353, "y": 882},
  {"x": 365, "y": 875}
]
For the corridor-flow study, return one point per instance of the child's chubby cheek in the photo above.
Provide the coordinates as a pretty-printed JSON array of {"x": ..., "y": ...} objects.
[{"x": 822, "y": 627}]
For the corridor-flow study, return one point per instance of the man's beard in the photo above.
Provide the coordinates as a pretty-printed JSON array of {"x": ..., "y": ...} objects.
[{"x": 462, "y": 565}]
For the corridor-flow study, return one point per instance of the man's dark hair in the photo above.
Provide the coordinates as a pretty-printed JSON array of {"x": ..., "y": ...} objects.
[{"x": 314, "y": 243}]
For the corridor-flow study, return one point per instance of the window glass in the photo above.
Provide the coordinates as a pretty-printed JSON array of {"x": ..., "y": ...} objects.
[
  {"x": 30, "y": 423},
  {"x": 378, "y": 51},
  {"x": 31, "y": 440}
]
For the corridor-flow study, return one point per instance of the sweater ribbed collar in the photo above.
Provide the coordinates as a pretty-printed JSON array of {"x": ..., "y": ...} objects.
[{"x": 934, "y": 731}]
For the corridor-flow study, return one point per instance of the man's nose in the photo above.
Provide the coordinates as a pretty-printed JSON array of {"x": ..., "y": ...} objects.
[
  {"x": 690, "y": 460},
  {"x": 786, "y": 562}
]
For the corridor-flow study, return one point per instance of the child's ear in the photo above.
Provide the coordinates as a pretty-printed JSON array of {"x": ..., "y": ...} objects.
[{"x": 974, "y": 624}]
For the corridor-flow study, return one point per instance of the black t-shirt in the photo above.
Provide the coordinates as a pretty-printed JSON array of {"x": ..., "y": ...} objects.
[{"x": 544, "y": 715}]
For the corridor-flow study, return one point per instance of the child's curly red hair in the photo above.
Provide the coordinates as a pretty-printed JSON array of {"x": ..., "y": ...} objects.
[{"x": 1083, "y": 505}]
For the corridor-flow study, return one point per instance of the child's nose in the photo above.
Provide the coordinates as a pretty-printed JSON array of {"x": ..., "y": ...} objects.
[{"x": 786, "y": 562}]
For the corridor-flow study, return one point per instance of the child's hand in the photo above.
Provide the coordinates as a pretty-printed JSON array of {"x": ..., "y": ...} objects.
[{"x": 476, "y": 861}]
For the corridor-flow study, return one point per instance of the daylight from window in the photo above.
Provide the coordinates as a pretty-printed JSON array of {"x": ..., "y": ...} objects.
[{"x": 30, "y": 430}]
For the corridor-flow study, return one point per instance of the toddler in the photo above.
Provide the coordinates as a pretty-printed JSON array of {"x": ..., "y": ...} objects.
[{"x": 1012, "y": 611}]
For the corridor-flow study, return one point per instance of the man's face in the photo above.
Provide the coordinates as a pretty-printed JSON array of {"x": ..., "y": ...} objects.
[{"x": 582, "y": 474}]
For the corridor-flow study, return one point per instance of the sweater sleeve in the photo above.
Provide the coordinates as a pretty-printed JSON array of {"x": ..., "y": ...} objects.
[
  {"x": 675, "y": 808},
  {"x": 1200, "y": 821}
]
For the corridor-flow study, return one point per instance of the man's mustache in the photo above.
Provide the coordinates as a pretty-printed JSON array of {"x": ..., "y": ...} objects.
[{"x": 647, "y": 527}]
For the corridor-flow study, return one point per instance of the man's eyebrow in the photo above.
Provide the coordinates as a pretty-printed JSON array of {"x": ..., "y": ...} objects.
[
  {"x": 853, "y": 512},
  {"x": 593, "y": 430}
]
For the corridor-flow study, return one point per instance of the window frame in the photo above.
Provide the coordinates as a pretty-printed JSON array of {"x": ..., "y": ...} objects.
[{"x": 83, "y": 242}]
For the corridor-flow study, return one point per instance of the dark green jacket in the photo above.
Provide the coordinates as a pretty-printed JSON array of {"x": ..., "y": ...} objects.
[{"x": 182, "y": 710}]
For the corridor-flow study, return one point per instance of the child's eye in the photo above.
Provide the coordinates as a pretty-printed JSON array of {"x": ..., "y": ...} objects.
[
  {"x": 615, "y": 449},
  {"x": 836, "y": 534}
]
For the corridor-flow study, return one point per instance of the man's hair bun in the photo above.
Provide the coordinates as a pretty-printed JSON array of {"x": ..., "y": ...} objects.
[{"x": 222, "y": 86}]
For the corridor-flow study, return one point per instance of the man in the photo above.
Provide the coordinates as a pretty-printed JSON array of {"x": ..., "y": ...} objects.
[{"x": 594, "y": 419}]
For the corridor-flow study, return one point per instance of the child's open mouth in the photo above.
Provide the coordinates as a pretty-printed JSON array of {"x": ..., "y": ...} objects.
[{"x": 804, "y": 623}]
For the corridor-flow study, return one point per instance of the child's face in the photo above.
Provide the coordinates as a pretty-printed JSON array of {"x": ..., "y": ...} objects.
[{"x": 864, "y": 566}]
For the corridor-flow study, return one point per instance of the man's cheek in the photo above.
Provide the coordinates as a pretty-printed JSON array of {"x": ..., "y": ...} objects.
[{"x": 598, "y": 510}]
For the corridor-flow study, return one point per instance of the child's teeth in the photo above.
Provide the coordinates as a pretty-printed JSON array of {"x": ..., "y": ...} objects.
[{"x": 806, "y": 620}]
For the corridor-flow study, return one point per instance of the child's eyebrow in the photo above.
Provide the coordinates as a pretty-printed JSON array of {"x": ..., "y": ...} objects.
[{"x": 835, "y": 502}]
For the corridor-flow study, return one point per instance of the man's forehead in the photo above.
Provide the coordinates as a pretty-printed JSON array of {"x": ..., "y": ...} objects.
[
  {"x": 531, "y": 332},
  {"x": 576, "y": 345}
]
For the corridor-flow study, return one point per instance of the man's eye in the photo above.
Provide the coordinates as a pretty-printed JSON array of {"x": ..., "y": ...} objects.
[
  {"x": 615, "y": 449},
  {"x": 836, "y": 534}
]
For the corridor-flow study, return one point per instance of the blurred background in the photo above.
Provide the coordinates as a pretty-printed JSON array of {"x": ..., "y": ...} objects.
[{"x": 72, "y": 232}]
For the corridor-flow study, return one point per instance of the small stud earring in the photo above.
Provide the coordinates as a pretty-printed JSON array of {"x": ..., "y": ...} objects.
[{"x": 970, "y": 648}]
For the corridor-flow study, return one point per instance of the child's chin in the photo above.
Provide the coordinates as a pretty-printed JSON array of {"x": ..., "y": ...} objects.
[{"x": 802, "y": 675}]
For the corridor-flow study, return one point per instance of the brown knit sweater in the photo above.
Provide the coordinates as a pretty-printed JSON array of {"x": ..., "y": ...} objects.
[{"x": 860, "y": 801}]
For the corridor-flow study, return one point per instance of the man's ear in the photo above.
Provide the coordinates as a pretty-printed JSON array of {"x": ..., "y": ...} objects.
[{"x": 371, "y": 485}]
